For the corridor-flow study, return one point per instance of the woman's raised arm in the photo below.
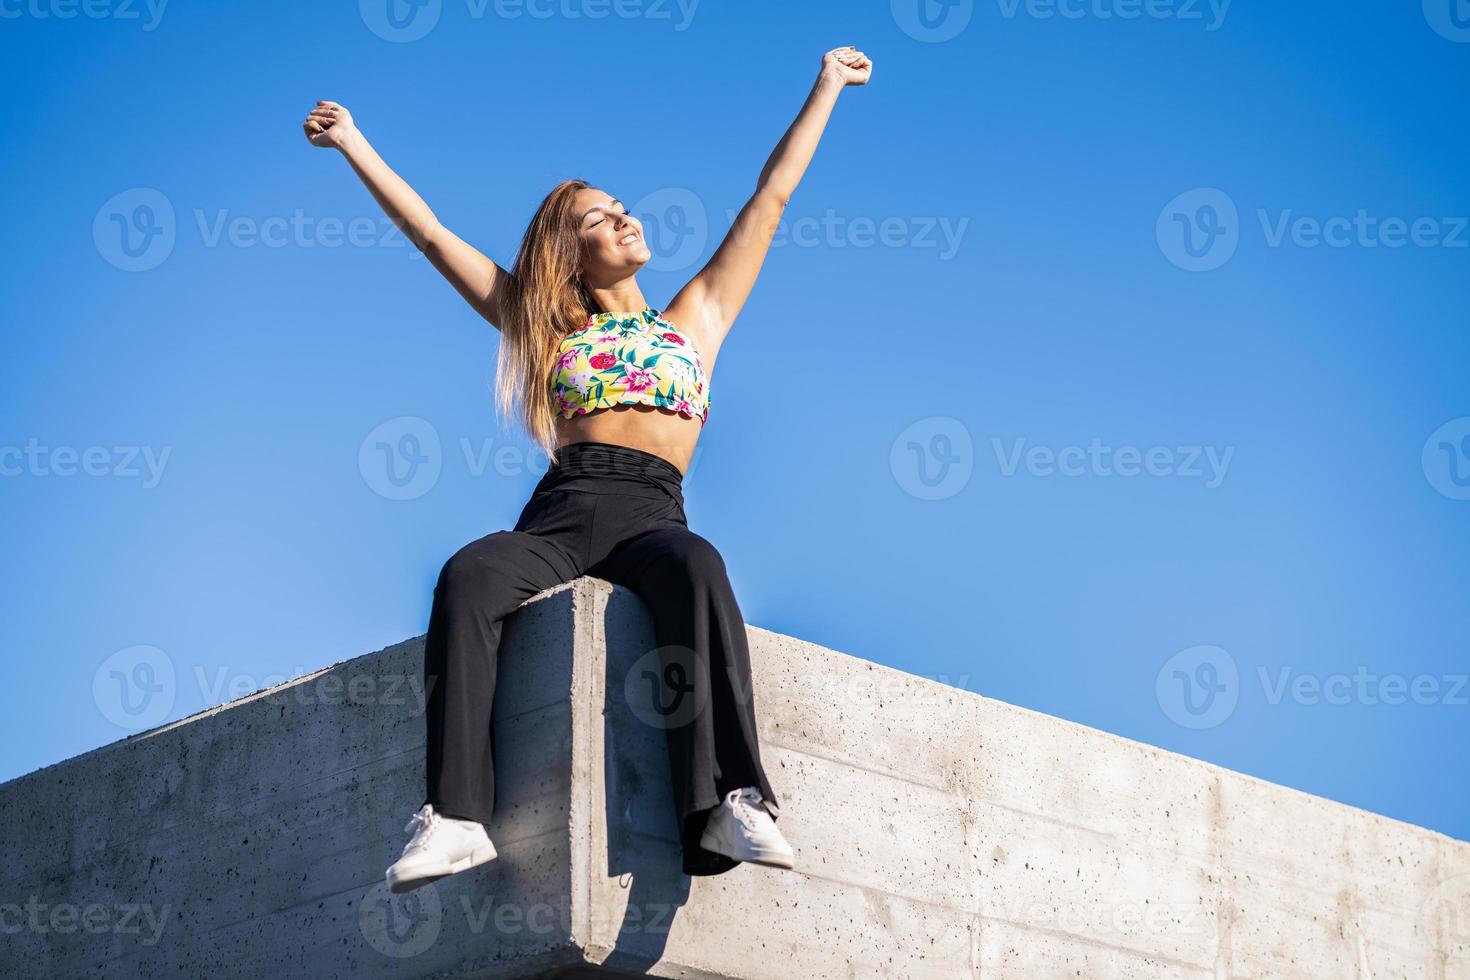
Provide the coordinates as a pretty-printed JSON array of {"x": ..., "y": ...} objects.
[
  {"x": 477, "y": 278},
  {"x": 713, "y": 298}
]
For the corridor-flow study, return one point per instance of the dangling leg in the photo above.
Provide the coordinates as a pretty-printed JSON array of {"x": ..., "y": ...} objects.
[
  {"x": 706, "y": 657},
  {"x": 478, "y": 587}
]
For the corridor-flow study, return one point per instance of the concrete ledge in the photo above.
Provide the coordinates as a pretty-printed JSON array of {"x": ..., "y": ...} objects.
[{"x": 938, "y": 834}]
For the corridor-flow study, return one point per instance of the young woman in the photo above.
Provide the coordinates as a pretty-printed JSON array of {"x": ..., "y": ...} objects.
[{"x": 616, "y": 392}]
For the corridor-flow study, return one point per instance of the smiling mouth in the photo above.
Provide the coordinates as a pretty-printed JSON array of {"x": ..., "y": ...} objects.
[{"x": 630, "y": 238}]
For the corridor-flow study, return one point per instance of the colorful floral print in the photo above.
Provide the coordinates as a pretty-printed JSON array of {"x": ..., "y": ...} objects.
[{"x": 630, "y": 358}]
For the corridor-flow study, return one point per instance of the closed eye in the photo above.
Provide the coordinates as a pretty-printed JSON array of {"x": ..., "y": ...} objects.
[{"x": 599, "y": 221}]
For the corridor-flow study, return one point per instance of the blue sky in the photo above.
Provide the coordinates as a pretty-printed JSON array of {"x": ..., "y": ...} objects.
[{"x": 1111, "y": 362}]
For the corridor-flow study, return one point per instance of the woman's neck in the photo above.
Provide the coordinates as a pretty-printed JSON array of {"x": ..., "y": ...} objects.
[{"x": 620, "y": 299}]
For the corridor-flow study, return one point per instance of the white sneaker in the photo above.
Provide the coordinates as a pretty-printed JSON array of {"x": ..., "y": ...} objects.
[
  {"x": 741, "y": 828},
  {"x": 440, "y": 846}
]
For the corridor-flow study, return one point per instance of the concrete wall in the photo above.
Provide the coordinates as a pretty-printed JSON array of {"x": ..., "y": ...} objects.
[{"x": 937, "y": 834}]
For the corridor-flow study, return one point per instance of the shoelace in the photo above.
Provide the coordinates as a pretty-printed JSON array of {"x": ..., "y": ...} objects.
[
  {"x": 743, "y": 806},
  {"x": 423, "y": 823}
]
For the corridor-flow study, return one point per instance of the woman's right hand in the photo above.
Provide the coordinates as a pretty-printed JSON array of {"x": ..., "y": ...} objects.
[
  {"x": 328, "y": 125},
  {"x": 848, "y": 65}
]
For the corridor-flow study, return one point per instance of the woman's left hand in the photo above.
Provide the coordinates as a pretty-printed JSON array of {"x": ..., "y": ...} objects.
[{"x": 848, "y": 64}]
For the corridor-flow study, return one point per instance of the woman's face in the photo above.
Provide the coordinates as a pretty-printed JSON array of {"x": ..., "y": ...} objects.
[{"x": 612, "y": 240}]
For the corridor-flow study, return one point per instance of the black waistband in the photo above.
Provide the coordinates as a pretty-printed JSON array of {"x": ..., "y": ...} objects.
[{"x": 611, "y": 468}]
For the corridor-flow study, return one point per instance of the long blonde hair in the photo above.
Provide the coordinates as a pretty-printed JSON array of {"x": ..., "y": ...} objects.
[{"x": 546, "y": 300}]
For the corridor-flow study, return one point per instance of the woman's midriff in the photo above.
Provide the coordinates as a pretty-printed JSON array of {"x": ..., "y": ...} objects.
[{"x": 649, "y": 428}]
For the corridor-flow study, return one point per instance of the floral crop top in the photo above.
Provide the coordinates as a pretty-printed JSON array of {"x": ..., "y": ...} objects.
[{"x": 630, "y": 358}]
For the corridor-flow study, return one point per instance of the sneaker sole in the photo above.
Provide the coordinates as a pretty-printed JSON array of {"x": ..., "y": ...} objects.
[
  {"x": 771, "y": 859},
  {"x": 398, "y": 885}
]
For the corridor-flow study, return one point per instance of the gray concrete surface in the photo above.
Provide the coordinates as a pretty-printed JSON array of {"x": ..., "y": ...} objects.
[{"x": 938, "y": 834}]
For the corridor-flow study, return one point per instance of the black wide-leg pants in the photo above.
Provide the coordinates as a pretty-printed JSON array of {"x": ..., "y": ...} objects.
[{"x": 616, "y": 513}]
